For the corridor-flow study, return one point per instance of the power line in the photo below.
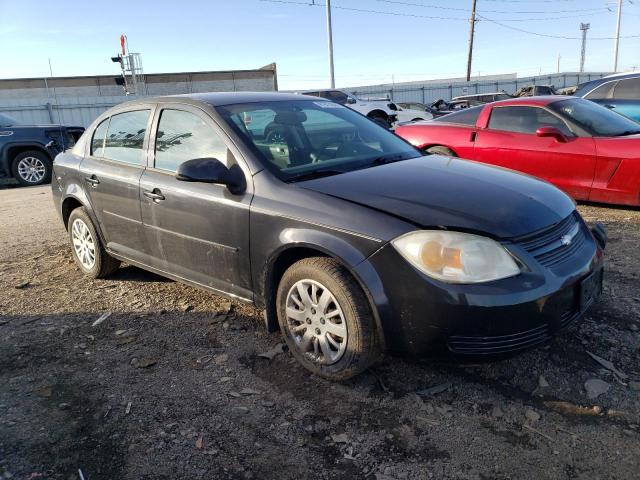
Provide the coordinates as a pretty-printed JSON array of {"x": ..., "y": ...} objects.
[
  {"x": 496, "y": 22},
  {"x": 440, "y": 7},
  {"x": 548, "y": 35}
]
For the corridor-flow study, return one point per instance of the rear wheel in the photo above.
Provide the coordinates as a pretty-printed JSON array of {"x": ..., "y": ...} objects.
[
  {"x": 440, "y": 150},
  {"x": 325, "y": 319},
  {"x": 88, "y": 252},
  {"x": 31, "y": 168}
]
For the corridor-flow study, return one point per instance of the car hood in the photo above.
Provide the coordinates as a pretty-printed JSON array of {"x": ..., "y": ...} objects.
[{"x": 446, "y": 192}]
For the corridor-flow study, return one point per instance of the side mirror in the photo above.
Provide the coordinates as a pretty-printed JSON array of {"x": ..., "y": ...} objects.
[
  {"x": 351, "y": 100},
  {"x": 552, "y": 132},
  {"x": 212, "y": 170}
]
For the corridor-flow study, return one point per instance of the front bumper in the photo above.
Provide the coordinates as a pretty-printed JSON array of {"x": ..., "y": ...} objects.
[{"x": 421, "y": 316}]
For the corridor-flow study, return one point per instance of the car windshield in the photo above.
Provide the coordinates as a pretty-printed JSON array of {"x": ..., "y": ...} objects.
[
  {"x": 596, "y": 119},
  {"x": 7, "y": 121},
  {"x": 301, "y": 139}
]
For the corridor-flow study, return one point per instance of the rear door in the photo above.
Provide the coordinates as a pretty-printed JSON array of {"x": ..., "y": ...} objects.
[
  {"x": 510, "y": 141},
  {"x": 198, "y": 231},
  {"x": 111, "y": 171}
]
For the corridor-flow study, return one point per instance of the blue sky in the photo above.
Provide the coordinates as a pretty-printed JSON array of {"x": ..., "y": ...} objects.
[{"x": 401, "y": 45}]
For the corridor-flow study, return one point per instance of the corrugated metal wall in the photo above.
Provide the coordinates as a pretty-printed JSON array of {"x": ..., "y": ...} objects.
[
  {"x": 429, "y": 92},
  {"x": 78, "y": 101}
]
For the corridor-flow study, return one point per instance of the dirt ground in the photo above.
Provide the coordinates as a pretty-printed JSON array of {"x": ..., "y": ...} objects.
[{"x": 172, "y": 386}]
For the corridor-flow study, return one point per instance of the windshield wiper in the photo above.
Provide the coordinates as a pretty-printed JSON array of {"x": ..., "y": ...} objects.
[
  {"x": 383, "y": 160},
  {"x": 317, "y": 173},
  {"x": 628, "y": 132}
]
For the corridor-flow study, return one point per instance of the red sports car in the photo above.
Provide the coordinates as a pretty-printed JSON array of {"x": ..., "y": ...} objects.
[{"x": 583, "y": 148}]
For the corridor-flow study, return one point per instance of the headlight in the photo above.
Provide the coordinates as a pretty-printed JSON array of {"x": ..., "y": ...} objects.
[{"x": 456, "y": 257}]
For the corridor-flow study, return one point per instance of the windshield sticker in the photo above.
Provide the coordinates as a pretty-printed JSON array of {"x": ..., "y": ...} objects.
[{"x": 328, "y": 105}]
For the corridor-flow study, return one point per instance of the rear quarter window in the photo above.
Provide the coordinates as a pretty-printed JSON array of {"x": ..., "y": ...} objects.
[
  {"x": 97, "y": 140},
  {"x": 467, "y": 116}
]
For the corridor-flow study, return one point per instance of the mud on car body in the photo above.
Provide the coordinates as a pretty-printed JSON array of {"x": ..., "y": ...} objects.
[{"x": 351, "y": 240}]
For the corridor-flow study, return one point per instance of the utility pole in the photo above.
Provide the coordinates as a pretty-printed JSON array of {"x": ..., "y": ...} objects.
[
  {"x": 617, "y": 40},
  {"x": 584, "y": 27},
  {"x": 330, "y": 45},
  {"x": 559, "y": 57},
  {"x": 472, "y": 28}
]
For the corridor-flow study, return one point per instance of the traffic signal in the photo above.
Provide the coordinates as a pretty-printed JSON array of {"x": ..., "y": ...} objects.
[{"x": 119, "y": 60}]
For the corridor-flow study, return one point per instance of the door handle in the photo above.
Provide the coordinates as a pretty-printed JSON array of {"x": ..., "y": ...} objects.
[
  {"x": 472, "y": 137},
  {"x": 609, "y": 106},
  {"x": 154, "y": 195},
  {"x": 93, "y": 180}
]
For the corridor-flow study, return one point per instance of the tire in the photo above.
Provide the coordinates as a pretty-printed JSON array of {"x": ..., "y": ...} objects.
[
  {"x": 440, "y": 150},
  {"x": 31, "y": 168},
  {"x": 380, "y": 120},
  {"x": 103, "y": 264},
  {"x": 303, "y": 324}
]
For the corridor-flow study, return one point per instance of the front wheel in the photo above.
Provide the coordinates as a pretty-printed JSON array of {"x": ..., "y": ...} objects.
[
  {"x": 31, "y": 168},
  {"x": 88, "y": 252},
  {"x": 325, "y": 319}
]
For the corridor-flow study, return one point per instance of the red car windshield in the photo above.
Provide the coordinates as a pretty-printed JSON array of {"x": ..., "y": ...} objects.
[{"x": 596, "y": 119}]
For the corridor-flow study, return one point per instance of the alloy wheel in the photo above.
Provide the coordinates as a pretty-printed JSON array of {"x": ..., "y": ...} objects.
[
  {"x": 316, "y": 322},
  {"x": 31, "y": 169},
  {"x": 83, "y": 244}
]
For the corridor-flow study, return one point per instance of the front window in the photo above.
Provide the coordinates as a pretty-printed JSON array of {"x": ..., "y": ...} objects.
[
  {"x": 596, "y": 119},
  {"x": 185, "y": 136},
  {"x": 524, "y": 120},
  {"x": 304, "y": 138}
]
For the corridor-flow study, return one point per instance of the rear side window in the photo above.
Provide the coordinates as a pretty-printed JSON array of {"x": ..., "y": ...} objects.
[
  {"x": 185, "y": 136},
  {"x": 627, "y": 89},
  {"x": 125, "y": 137},
  {"x": 603, "y": 91},
  {"x": 524, "y": 120},
  {"x": 467, "y": 116},
  {"x": 97, "y": 141}
]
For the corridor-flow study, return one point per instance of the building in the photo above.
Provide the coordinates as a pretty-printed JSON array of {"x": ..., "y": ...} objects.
[{"x": 79, "y": 100}]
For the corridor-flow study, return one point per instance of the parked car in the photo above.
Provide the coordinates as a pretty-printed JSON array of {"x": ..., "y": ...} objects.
[
  {"x": 412, "y": 112},
  {"x": 619, "y": 92},
  {"x": 382, "y": 111},
  {"x": 586, "y": 150},
  {"x": 535, "y": 91},
  {"x": 441, "y": 107},
  {"x": 349, "y": 238},
  {"x": 27, "y": 151},
  {"x": 481, "y": 98}
]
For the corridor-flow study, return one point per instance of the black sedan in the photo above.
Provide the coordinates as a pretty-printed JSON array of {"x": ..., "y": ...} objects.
[{"x": 350, "y": 240}]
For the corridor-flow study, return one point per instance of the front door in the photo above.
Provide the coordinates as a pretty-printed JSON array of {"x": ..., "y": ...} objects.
[
  {"x": 111, "y": 170},
  {"x": 510, "y": 141},
  {"x": 199, "y": 231}
]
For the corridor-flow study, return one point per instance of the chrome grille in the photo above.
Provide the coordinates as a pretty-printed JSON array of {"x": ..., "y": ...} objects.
[{"x": 550, "y": 247}]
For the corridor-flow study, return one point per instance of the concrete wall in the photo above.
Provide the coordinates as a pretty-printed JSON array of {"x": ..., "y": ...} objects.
[
  {"x": 429, "y": 92},
  {"x": 79, "y": 100}
]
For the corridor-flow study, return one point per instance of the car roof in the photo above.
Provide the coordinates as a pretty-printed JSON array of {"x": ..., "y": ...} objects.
[
  {"x": 216, "y": 99},
  {"x": 537, "y": 101},
  {"x": 620, "y": 75},
  {"x": 480, "y": 94}
]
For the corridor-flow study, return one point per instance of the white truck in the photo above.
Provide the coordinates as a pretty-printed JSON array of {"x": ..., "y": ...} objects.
[{"x": 384, "y": 112}]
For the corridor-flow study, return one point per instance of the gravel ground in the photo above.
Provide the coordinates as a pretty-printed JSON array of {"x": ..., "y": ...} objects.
[{"x": 172, "y": 385}]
